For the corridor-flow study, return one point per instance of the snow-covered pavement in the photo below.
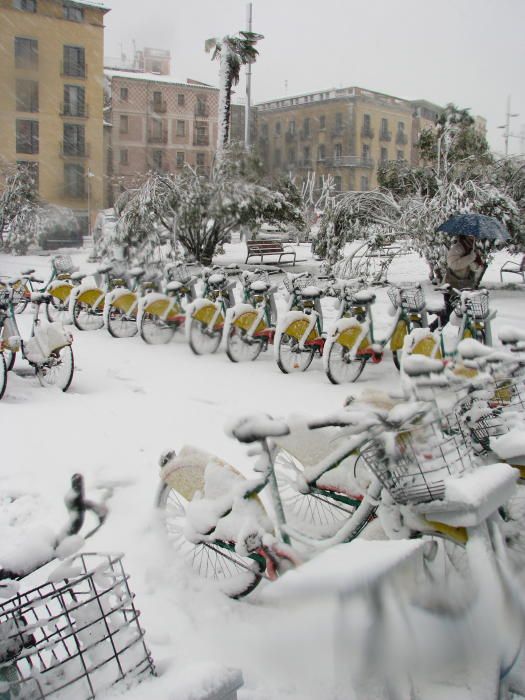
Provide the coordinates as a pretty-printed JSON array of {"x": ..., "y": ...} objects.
[{"x": 128, "y": 402}]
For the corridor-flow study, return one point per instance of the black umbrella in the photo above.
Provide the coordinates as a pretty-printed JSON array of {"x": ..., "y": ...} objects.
[{"x": 477, "y": 225}]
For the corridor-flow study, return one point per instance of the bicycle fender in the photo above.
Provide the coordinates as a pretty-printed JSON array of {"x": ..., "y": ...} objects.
[
  {"x": 350, "y": 336},
  {"x": 60, "y": 290},
  {"x": 206, "y": 313},
  {"x": 93, "y": 297},
  {"x": 398, "y": 336},
  {"x": 125, "y": 301},
  {"x": 245, "y": 322},
  {"x": 298, "y": 328},
  {"x": 164, "y": 308},
  {"x": 427, "y": 346}
]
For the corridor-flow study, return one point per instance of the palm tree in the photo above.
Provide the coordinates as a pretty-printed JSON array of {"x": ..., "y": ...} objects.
[{"x": 232, "y": 52}]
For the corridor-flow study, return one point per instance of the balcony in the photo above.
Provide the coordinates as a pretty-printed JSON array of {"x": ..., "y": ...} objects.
[
  {"x": 385, "y": 136},
  {"x": 367, "y": 133},
  {"x": 350, "y": 162},
  {"x": 73, "y": 70},
  {"x": 74, "y": 150},
  {"x": 202, "y": 110},
  {"x": 401, "y": 138},
  {"x": 158, "y": 138},
  {"x": 159, "y": 106},
  {"x": 201, "y": 140},
  {"x": 78, "y": 111}
]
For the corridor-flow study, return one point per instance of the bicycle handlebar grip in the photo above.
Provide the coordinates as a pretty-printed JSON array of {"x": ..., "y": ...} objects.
[{"x": 76, "y": 505}]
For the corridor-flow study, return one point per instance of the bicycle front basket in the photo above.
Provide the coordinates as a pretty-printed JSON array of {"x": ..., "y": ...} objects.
[
  {"x": 293, "y": 283},
  {"x": 63, "y": 264},
  {"x": 179, "y": 273},
  {"x": 478, "y": 305},
  {"x": 73, "y": 638}
]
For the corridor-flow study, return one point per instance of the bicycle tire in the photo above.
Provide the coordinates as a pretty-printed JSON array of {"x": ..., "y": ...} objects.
[
  {"x": 317, "y": 515},
  {"x": 3, "y": 375},
  {"x": 342, "y": 367},
  {"x": 202, "y": 341},
  {"x": 85, "y": 318},
  {"x": 290, "y": 357},
  {"x": 155, "y": 331},
  {"x": 239, "y": 348},
  {"x": 120, "y": 324},
  {"x": 58, "y": 310},
  {"x": 21, "y": 305},
  {"x": 9, "y": 358},
  {"x": 57, "y": 370},
  {"x": 397, "y": 354},
  {"x": 231, "y": 573}
]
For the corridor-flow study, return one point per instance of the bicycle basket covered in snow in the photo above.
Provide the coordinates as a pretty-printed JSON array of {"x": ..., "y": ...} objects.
[
  {"x": 72, "y": 638},
  {"x": 413, "y": 464},
  {"x": 298, "y": 282},
  {"x": 63, "y": 264},
  {"x": 179, "y": 273},
  {"x": 409, "y": 298}
]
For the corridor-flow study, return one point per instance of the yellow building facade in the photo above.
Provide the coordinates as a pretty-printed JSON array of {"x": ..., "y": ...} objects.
[{"x": 51, "y": 98}]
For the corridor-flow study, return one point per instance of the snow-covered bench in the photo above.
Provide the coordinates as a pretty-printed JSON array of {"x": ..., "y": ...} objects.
[
  {"x": 263, "y": 248},
  {"x": 514, "y": 268}
]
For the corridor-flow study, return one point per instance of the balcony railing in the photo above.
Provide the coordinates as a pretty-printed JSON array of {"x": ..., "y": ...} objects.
[
  {"x": 350, "y": 162},
  {"x": 201, "y": 140},
  {"x": 367, "y": 132},
  {"x": 159, "y": 106},
  {"x": 79, "y": 111},
  {"x": 401, "y": 138},
  {"x": 385, "y": 136},
  {"x": 74, "y": 70},
  {"x": 158, "y": 138},
  {"x": 74, "y": 150},
  {"x": 202, "y": 110}
]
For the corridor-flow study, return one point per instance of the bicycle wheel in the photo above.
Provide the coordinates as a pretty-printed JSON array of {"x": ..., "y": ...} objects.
[
  {"x": 9, "y": 358},
  {"x": 22, "y": 297},
  {"x": 58, "y": 369},
  {"x": 155, "y": 331},
  {"x": 202, "y": 341},
  {"x": 86, "y": 318},
  {"x": 3, "y": 375},
  {"x": 240, "y": 348},
  {"x": 341, "y": 366},
  {"x": 397, "y": 354},
  {"x": 121, "y": 324},
  {"x": 58, "y": 310},
  {"x": 318, "y": 515},
  {"x": 234, "y": 575},
  {"x": 290, "y": 357}
]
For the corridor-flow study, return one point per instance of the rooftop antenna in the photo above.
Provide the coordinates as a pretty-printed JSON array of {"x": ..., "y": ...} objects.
[
  {"x": 506, "y": 126},
  {"x": 285, "y": 87}
]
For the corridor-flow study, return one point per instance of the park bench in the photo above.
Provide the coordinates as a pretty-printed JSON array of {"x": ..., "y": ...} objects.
[
  {"x": 514, "y": 268},
  {"x": 268, "y": 247}
]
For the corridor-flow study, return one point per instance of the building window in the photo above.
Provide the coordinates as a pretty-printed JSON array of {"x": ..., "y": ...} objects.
[
  {"x": 322, "y": 122},
  {"x": 74, "y": 140},
  {"x": 124, "y": 124},
  {"x": 26, "y": 5},
  {"x": 124, "y": 94},
  {"x": 400, "y": 155},
  {"x": 364, "y": 183},
  {"x": 337, "y": 183},
  {"x": 277, "y": 128},
  {"x": 180, "y": 158},
  {"x": 33, "y": 170},
  {"x": 306, "y": 155},
  {"x": 180, "y": 100},
  {"x": 264, "y": 130},
  {"x": 291, "y": 156},
  {"x": 338, "y": 150},
  {"x": 306, "y": 127},
  {"x": 74, "y": 61},
  {"x": 157, "y": 160},
  {"x": 26, "y": 96},
  {"x": 338, "y": 121},
  {"x": 367, "y": 126},
  {"x": 384, "y": 155},
  {"x": 201, "y": 108},
  {"x": 75, "y": 14},
  {"x": 74, "y": 101},
  {"x": 401, "y": 127},
  {"x": 74, "y": 180},
  {"x": 200, "y": 134},
  {"x": 180, "y": 128},
  {"x": 321, "y": 153},
  {"x": 26, "y": 136},
  {"x": 26, "y": 53},
  {"x": 365, "y": 152},
  {"x": 124, "y": 156},
  {"x": 291, "y": 127},
  {"x": 156, "y": 67},
  {"x": 200, "y": 159},
  {"x": 385, "y": 134},
  {"x": 277, "y": 157}
]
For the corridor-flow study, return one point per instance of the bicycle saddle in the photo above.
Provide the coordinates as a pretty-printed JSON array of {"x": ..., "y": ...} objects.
[
  {"x": 258, "y": 427},
  {"x": 78, "y": 276},
  {"x": 105, "y": 268},
  {"x": 311, "y": 292},
  {"x": 27, "y": 272},
  {"x": 137, "y": 272},
  {"x": 174, "y": 286},
  {"x": 435, "y": 307},
  {"x": 365, "y": 297},
  {"x": 216, "y": 279},
  {"x": 259, "y": 286}
]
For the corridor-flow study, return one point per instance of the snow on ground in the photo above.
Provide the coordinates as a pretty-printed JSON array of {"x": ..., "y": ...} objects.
[{"x": 128, "y": 402}]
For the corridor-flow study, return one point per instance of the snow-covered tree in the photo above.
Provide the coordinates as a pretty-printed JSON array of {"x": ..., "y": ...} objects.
[
  {"x": 233, "y": 52},
  {"x": 19, "y": 209}
]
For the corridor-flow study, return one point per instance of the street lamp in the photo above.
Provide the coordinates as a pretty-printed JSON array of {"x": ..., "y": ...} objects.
[{"x": 506, "y": 126}]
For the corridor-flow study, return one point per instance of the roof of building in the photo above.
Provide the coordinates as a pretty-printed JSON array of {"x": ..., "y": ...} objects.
[
  {"x": 91, "y": 3},
  {"x": 155, "y": 78}
]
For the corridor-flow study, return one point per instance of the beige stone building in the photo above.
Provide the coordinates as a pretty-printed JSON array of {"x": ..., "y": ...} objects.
[
  {"x": 51, "y": 97},
  {"x": 346, "y": 133},
  {"x": 155, "y": 122}
]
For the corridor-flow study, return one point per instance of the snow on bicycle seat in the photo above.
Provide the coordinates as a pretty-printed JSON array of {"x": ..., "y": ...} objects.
[
  {"x": 105, "y": 268},
  {"x": 509, "y": 335},
  {"x": 435, "y": 306},
  {"x": 137, "y": 272},
  {"x": 471, "y": 349},
  {"x": 257, "y": 427},
  {"x": 259, "y": 286},
  {"x": 216, "y": 279},
  {"x": 311, "y": 292},
  {"x": 78, "y": 276},
  {"x": 417, "y": 365},
  {"x": 365, "y": 296},
  {"x": 174, "y": 286},
  {"x": 37, "y": 297}
]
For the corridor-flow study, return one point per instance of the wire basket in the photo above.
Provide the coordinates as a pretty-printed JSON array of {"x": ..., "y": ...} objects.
[
  {"x": 509, "y": 393},
  {"x": 413, "y": 464},
  {"x": 179, "y": 273},
  {"x": 294, "y": 283},
  {"x": 477, "y": 305},
  {"x": 73, "y": 638},
  {"x": 63, "y": 264},
  {"x": 410, "y": 298}
]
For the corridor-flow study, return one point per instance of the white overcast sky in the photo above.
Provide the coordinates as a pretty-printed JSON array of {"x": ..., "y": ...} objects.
[{"x": 470, "y": 52}]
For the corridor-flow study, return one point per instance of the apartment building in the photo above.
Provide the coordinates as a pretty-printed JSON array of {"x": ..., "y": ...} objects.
[
  {"x": 156, "y": 123},
  {"x": 346, "y": 133},
  {"x": 51, "y": 101}
]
